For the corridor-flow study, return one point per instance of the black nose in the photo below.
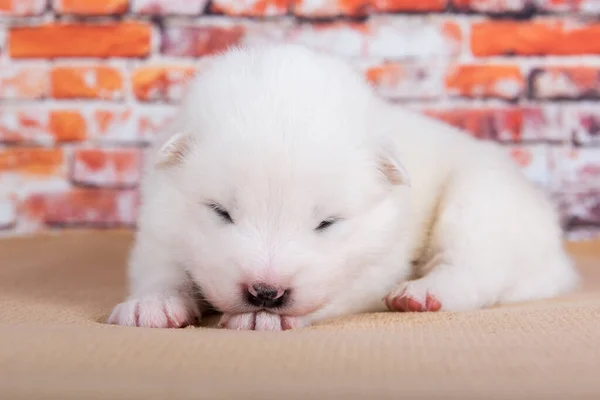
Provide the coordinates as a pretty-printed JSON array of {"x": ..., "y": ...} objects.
[{"x": 263, "y": 295}]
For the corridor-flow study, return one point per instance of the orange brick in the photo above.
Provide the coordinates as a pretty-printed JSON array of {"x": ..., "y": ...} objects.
[
  {"x": 126, "y": 39},
  {"x": 253, "y": 8},
  {"x": 491, "y": 38},
  {"x": 382, "y": 38},
  {"x": 33, "y": 161},
  {"x": 91, "y": 7},
  {"x": 503, "y": 81},
  {"x": 22, "y": 8},
  {"x": 86, "y": 82},
  {"x": 67, "y": 126},
  {"x": 34, "y": 125},
  {"x": 107, "y": 167},
  {"x": 160, "y": 82},
  {"x": 83, "y": 207},
  {"x": 154, "y": 121},
  {"x": 406, "y": 80},
  {"x": 332, "y": 8},
  {"x": 583, "y": 6},
  {"x": 494, "y": 6},
  {"x": 24, "y": 125},
  {"x": 168, "y": 7},
  {"x": 113, "y": 125},
  {"x": 23, "y": 82}
]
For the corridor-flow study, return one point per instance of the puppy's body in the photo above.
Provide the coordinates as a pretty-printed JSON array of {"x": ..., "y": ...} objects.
[{"x": 284, "y": 170}]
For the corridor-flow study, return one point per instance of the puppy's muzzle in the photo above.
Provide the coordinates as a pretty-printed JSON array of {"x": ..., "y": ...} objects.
[{"x": 266, "y": 296}]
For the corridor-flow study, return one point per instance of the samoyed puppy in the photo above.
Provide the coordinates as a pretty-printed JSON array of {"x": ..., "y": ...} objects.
[{"x": 286, "y": 192}]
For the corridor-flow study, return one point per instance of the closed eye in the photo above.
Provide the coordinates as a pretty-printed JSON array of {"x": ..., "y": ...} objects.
[
  {"x": 325, "y": 224},
  {"x": 221, "y": 212}
]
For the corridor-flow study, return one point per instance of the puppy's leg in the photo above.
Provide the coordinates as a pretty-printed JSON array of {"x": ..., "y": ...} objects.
[
  {"x": 260, "y": 321},
  {"x": 160, "y": 291},
  {"x": 496, "y": 240}
]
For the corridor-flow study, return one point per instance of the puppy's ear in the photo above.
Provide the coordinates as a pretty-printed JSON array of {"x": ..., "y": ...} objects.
[
  {"x": 392, "y": 169},
  {"x": 174, "y": 150}
]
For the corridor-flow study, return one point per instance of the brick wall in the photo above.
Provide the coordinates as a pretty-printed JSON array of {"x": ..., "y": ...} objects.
[{"x": 84, "y": 84}]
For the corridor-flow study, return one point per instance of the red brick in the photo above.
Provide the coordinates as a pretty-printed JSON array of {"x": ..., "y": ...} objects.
[
  {"x": 583, "y": 124},
  {"x": 106, "y": 167},
  {"x": 383, "y": 37},
  {"x": 211, "y": 38},
  {"x": 582, "y": 6},
  {"x": 125, "y": 39},
  {"x": 34, "y": 125},
  {"x": 166, "y": 83},
  {"x": 405, "y": 80},
  {"x": 565, "y": 83},
  {"x": 493, "y": 6},
  {"x": 83, "y": 207},
  {"x": 91, "y": 7},
  {"x": 409, "y": 5},
  {"x": 533, "y": 161},
  {"x": 99, "y": 82},
  {"x": 504, "y": 124},
  {"x": 30, "y": 82},
  {"x": 31, "y": 161},
  {"x": 575, "y": 169},
  {"x": 169, "y": 7},
  {"x": 253, "y": 8},
  {"x": 553, "y": 37},
  {"x": 333, "y": 8},
  {"x": 501, "y": 81},
  {"x": 22, "y": 8}
]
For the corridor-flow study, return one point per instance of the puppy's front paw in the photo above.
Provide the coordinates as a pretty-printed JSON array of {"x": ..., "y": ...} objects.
[
  {"x": 259, "y": 321},
  {"x": 157, "y": 311},
  {"x": 413, "y": 296}
]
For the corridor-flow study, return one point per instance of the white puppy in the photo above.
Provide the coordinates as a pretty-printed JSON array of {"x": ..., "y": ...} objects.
[{"x": 287, "y": 192}]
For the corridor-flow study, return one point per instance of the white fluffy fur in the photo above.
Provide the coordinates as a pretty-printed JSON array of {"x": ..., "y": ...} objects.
[{"x": 283, "y": 138}]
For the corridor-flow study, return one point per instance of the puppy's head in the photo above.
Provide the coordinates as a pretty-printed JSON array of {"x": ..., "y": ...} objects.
[{"x": 285, "y": 191}]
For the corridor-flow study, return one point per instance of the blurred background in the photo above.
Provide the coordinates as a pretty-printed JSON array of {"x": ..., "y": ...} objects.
[{"x": 86, "y": 84}]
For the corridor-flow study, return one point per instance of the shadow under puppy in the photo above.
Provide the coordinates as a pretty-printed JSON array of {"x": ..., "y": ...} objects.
[{"x": 288, "y": 192}]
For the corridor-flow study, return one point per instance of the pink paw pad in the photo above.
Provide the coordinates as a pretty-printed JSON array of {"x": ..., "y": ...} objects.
[{"x": 405, "y": 303}]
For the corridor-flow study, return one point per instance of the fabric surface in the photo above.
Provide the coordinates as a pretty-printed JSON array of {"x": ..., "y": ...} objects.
[{"x": 55, "y": 293}]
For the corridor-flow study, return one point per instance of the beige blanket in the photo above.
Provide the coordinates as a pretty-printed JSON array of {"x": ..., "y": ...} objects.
[{"x": 55, "y": 292}]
